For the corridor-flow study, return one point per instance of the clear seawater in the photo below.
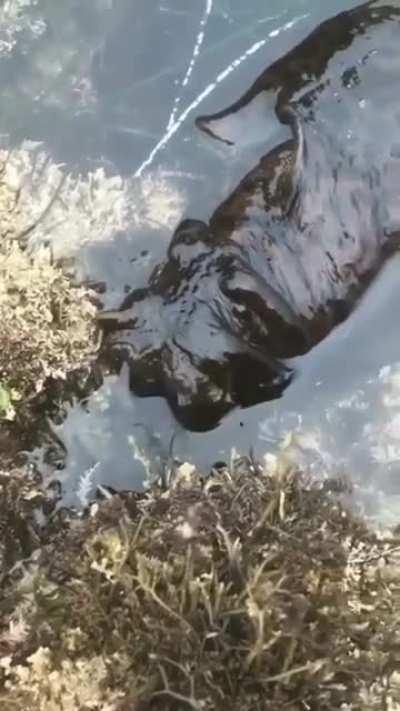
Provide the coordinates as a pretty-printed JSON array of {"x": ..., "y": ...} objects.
[{"x": 117, "y": 84}]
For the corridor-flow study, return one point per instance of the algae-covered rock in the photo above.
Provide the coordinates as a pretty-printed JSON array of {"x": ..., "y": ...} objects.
[
  {"x": 248, "y": 588},
  {"x": 21, "y": 516},
  {"x": 48, "y": 324}
]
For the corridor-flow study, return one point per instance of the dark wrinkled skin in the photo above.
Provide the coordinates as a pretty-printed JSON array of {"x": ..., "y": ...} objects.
[{"x": 286, "y": 256}]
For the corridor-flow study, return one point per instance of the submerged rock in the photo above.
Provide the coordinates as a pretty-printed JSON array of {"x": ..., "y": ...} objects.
[{"x": 287, "y": 255}]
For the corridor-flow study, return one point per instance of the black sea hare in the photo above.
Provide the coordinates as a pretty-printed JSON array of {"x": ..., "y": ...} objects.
[{"x": 286, "y": 256}]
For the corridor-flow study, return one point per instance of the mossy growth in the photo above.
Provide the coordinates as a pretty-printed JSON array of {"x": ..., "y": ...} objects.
[
  {"x": 248, "y": 589},
  {"x": 47, "y": 325}
]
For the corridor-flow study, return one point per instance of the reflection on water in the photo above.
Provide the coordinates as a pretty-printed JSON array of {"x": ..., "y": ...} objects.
[
  {"x": 109, "y": 440},
  {"x": 116, "y": 85}
]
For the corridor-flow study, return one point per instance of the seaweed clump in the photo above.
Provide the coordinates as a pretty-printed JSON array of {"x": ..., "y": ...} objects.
[
  {"x": 251, "y": 587},
  {"x": 47, "y": 324}
]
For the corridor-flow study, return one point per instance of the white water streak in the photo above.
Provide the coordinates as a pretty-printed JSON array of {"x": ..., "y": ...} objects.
[
  {"x": 209, "y": 90},
  {"x": 85, "y": 485},
  {"x": 193, "y": 60}
]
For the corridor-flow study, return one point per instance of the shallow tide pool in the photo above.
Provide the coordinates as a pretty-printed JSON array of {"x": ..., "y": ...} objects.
[{"x": 111, "y": 89}]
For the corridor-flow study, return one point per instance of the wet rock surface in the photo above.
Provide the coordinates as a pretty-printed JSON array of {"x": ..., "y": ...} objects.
[{"x": 287, "y": 255}]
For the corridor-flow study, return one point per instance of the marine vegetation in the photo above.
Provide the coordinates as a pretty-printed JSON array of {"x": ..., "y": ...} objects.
[
  {"x": 33, "y": 293},
  {"x": 251, "y": 587},
  {"x": 47, "y": 324}
]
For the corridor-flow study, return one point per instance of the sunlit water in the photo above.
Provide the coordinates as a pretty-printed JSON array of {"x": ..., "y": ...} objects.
[{"x": 117, "y": 85}]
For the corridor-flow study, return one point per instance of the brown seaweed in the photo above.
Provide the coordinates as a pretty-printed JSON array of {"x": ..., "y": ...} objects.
[{"x": 250, "y": 588}]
